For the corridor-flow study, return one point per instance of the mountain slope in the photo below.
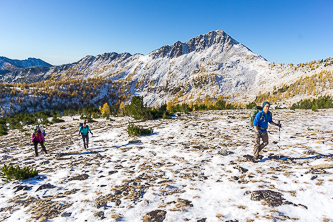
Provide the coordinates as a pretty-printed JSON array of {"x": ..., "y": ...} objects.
[
  {"x": 210, "y": 65},
  {"x": 214, "y": 54}
]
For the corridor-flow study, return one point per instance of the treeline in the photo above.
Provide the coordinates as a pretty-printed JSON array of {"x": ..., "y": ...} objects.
[
  {"x": 308, "y": 86},
  {"x": 18, "y": 121},
  {"x": 308, "y": 65},
  {"x": 138, "y": 110},
  {"x": 323, "y": 102},
  {"x": 48, "y": 95}
]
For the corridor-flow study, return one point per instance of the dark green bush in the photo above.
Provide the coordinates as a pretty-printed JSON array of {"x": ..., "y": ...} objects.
[
  {"x": 55, "y": 119},
  {"x": 251, "y": 105},
  {"x": 166, "y": 116},
  {"x": 17, "y": 173},
  {"x": 3, "y": 129},
  {"x": 134, "y": 130}
]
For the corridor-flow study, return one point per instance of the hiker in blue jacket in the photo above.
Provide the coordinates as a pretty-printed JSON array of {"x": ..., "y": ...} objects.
[
  {"x": 84, "y": 131},
  {"x": 260, "y": 124}
]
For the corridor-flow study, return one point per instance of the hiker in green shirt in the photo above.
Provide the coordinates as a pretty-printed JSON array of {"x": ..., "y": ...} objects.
[{"x": 84, "y": 131}]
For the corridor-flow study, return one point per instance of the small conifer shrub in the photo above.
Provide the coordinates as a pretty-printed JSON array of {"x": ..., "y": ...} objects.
[
  {"x": 3, "y": 129},
  {"x": 166, "y": 116},
  {"x": 17, "y": 173},
  {"x": 134, "y": 130}
]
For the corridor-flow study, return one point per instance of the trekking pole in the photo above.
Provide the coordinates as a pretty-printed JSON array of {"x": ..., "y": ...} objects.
[{"x": 279, "y": 139}]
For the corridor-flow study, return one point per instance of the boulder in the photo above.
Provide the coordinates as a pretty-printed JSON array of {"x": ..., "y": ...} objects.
[
  {"x": 45, "y": 186},
  {"x": 155, "y": 216},
  {"x": 80, "y": 177}
]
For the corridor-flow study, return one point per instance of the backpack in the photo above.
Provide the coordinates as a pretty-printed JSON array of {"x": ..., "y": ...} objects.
[
  {"x": 81, "y": 124},
  {"x": 41, "y": 129},
  {"x": 253, "y": 114}
]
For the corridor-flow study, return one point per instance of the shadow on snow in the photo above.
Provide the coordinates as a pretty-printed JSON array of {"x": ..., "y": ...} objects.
[{"x": 275, "y": 157}]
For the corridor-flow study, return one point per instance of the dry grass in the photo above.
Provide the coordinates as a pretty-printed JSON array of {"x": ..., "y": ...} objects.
[
  {"x": 241, "y": 207},
  {"x": 287, "y": 174},
  {"x": 117, "y": 216},
  {"x": 98, "y": 192},
  {"x": 320, "y": 182},
  {"x": 293, "y": 193},
  {"x": 269, "y": 217},
  {"x": 220, "y": 216},
  {"x": 322, "y": 166},
  {"x": 175, "y": 209}
]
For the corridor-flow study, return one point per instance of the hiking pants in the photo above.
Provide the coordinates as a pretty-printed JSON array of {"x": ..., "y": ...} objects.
[
  {"x": 259, "y": 147},
  {"x": 42, "y": 145},
  {"x": 85, "y": 138}
]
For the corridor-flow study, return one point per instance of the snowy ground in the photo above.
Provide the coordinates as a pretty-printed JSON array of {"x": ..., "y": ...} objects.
[{"x": 192, "y": 168}]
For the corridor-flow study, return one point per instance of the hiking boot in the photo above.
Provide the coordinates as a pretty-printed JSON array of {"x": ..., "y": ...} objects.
[{"x": 255, "y": 161}]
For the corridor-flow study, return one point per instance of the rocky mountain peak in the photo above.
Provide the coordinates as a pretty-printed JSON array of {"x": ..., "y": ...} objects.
[
  {"x": 197, "y": 44},
  {"x": 106, "y": 57}
]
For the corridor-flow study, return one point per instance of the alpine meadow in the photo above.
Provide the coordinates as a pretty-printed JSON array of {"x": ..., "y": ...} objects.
[{"x": 202, "y": 130}]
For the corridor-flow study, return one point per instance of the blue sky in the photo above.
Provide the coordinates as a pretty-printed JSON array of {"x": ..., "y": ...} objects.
[{"x": 61, "y": 32}]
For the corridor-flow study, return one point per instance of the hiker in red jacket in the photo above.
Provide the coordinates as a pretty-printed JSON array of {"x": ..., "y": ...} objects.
[{"x": 38, "y": 137}]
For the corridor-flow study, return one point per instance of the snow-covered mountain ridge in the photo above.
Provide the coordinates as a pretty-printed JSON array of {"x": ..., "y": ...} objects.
[
  {"x": 213, "y": 64},
  {"x": 11, "y": 65}
]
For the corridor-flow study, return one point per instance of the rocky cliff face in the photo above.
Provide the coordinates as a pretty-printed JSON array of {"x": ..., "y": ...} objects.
[{"x": 197, "y": 44}]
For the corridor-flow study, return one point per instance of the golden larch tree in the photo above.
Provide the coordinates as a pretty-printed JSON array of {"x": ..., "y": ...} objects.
[{"x": 106, "y": 110}]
